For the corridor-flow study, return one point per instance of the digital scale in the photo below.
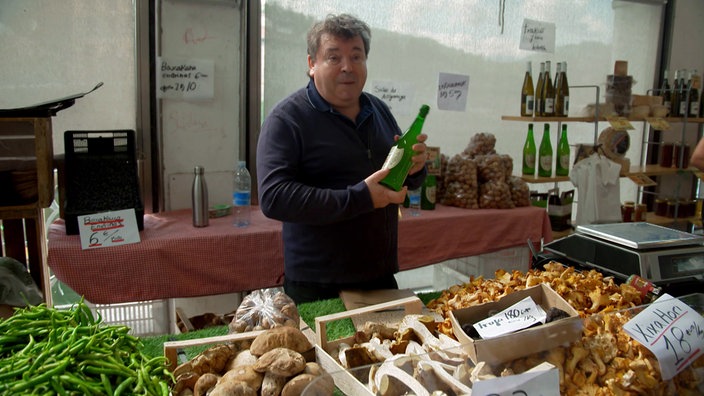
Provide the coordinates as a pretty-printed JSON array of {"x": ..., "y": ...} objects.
[{"x": 662, "y": 255}]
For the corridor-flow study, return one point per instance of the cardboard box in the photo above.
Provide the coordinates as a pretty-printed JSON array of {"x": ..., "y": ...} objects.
[{"x": 524, "y": 342}]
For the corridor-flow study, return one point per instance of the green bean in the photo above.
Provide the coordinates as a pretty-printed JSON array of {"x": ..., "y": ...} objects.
[
  {"x": 37, "y": 379},
  {"x": 123, "y": 386}
]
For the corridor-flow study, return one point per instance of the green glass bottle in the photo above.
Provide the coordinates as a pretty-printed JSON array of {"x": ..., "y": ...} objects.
[
  {"x": 529, "y": 152},
  {"x": 399, "y": 158},
  {"x": 428, "y": 193},
  {"x": 562, "y": 165},
  {"x": 545, "y": 154}
]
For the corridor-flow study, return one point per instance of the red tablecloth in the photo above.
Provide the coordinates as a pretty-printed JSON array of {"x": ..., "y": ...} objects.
[{"x": 175, "y": 259}]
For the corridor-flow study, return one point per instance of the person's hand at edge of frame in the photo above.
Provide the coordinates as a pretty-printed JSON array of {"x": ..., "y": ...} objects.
[
  {"x": 381, "y": 195},
  {"x": 421, "y": 155}
]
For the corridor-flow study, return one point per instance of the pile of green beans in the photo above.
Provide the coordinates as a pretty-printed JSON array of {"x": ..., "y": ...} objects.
[{"x": 46, "y": 351}]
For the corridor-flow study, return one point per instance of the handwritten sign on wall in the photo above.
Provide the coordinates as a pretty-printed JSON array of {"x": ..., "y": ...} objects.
[
  {"x": 453, "y": 90},
  {"x": 397, "y": 95},
  {"x": 189, "y": 79},
  {"x": 537, "y": 36}
]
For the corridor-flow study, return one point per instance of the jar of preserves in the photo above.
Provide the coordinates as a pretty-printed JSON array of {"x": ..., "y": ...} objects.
[
  {"x": 639, "y": 214},
  {"x": 627, "y": 210},
  {"x": 661, "y": 207}
]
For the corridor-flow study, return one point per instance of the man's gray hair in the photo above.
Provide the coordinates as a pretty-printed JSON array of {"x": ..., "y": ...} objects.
[{"x": 344, "y": 26}]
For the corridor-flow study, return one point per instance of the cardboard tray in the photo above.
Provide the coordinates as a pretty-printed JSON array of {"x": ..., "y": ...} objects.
[
  {"x": 344, "y": 379},
  {"x": 511, "y": 346}
]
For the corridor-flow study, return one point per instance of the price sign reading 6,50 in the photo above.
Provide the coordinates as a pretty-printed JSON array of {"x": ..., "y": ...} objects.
[{"x": 672, "y": 330}]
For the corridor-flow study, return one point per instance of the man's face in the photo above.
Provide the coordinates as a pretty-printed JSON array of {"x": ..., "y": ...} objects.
[{"x": 339, "y": 70}]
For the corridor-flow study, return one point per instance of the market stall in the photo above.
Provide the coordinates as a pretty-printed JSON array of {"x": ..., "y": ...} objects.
[{"x": 174, "y": 259}]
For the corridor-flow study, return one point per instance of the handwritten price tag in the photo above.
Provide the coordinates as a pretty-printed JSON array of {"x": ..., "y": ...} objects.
[
  {"x": 453, "y": 90},
  {"x": 108, "y": 229},
  {"x": 672, "y": 331},
  {"x": 542, "y": 380},
  {"x": 185, "y": 78},
  {"x": 523, "y": 314}
]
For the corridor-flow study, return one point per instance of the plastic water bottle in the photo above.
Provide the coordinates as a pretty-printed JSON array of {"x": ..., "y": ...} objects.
[{"x": 241, "y": 195}]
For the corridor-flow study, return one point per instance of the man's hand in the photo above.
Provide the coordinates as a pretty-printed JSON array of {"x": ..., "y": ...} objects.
[
  {"x": 420, "y": 156},
  {"x": 383, "y": 196}
]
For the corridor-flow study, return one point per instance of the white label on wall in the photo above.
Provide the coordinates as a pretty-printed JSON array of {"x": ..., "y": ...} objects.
[
  {"x": 189, "y": 79},
  {"x": 397, "y": 95},
  {"x": 537, "y": 36},
  {"x": 453, "y": 90}
]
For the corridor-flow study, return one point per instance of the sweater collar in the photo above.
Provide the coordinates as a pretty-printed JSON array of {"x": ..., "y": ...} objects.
[{"x": 320, "y": 104}]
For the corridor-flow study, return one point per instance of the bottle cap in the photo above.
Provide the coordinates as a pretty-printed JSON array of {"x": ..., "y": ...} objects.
[{"x": 198, "y": 170}]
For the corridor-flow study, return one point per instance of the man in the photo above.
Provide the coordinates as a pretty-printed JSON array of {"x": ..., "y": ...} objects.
[{"x": 319, "y": 157}]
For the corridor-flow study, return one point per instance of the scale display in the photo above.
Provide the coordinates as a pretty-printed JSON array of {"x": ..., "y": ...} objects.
[{"x": 640, "y": 235}]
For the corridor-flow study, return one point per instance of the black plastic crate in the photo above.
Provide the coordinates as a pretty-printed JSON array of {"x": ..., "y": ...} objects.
[{"x": 100, "y": 175}]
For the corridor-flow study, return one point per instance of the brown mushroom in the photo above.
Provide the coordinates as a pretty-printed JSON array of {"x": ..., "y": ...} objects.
[
  {"x": 281, "y": 361},
  {"x": 280, "y": 337},
  {"x": 246, "y": 374}
]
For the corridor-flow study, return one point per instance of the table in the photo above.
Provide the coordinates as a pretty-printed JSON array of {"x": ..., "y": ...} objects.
[{"x": 176, "y": 260}]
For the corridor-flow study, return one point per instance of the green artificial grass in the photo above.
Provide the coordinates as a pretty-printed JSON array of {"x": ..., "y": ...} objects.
[{"x": 154, "y": 345}]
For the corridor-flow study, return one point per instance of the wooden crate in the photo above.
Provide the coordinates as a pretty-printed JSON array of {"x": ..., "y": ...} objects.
[
  {"x": 26, "y": 158},
  {"x": 171, "y": 347},
  {"x": 344, "y": 379}
]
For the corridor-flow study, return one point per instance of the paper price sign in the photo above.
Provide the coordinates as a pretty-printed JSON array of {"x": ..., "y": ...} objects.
[
  {"x": 672, "y": 331},
  {"x": 543, "y": 380},
  {"x": 658, "y": 124},
  {"x": 523, "y": 314},
  {"x": 619, "y": 123},
  {"x": 108, "y": 229}
]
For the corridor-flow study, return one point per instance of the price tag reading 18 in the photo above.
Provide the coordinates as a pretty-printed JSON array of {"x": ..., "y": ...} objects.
[{"x": 672, "y": 331}]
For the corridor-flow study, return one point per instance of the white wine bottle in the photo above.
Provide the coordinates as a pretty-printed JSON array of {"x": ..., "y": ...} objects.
[
  {"x": 562, "y": 93},
  {"x": 399, "y": 158},
  {"x": 527, "y": 93},
  {"x": 538, "y": 109},
  {"x": 548, "y": 94}
]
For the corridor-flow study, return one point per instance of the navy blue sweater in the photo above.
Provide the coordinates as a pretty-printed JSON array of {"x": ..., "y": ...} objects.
[{"x": 311, "y": 166}]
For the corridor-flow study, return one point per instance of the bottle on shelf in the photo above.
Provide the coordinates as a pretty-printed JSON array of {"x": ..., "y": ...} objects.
[
  {"x": 562, "y": 93},
  {"x": 399, "y": 158},
  {"x": 558, "y": 69},
  {"x": 545, "y": 154},
  {"x": 527, "y": 93},
  {"x": 693, "y": 107},
  {"x": 529, "y": 151},
  {"x": 685, "y": 85},
  {"x": 675, "y": 96},
  {"x": 666, "y": 92},
  {"x": 428, "y": 193},
  {"x": 242, "y": 195},
  {"x": 562, "y": 165},
  {"x": 538, "y": 108},
  {"x": 548, "y": 94},
  {"x": 199, "y": 198}
]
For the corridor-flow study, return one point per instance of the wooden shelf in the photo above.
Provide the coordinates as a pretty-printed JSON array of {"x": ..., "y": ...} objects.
[
  {"x": 538, "y": 179},
  {"x": 655, "y": 170},
  {"x": 694, "y": 120},
  {"x": 549, "y": 119}
]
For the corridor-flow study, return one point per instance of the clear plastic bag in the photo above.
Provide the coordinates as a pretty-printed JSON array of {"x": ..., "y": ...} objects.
[
  {"x": 520, "y": 191},
  {"x": 495, "y": 194},
  {"x": 265, "y": 309},
  {"x": 460, "y": 184},
  {"x": 17, "y": 288}
]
